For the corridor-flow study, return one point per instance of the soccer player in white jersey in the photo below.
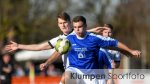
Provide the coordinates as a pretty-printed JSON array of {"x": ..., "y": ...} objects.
[
  {"x": 114, "y": 56},
  {"x": 64, "y": 23},
  {"x": 88, "y": 45},
  {"x": 108, "y": 58}
]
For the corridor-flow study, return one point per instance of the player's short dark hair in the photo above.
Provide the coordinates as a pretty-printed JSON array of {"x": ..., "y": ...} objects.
[
  {"x": 109, "y": 26},
  {"x": 80, "y": 18},
  {"x": 65, "y": 16}
]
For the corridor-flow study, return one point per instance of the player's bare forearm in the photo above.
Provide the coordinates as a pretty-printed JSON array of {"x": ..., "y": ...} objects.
[
  {"x": 52, "y": 58},
  {"x": 97, "y": 30},
  {"x": 124, "y": 47},
  {"x": 35, "y": 47},
  {"x": 127, "y": 51}
]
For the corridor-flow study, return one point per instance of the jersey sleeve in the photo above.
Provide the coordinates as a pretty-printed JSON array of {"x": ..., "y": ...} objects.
[
  {"x": 107, "y": 41},
  {"x": 53, "y": 41}
]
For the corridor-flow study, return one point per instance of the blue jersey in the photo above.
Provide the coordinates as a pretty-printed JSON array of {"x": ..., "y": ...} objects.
[
  {"x": 104, "y": 60},
  {"x": 84, "y": 51}
]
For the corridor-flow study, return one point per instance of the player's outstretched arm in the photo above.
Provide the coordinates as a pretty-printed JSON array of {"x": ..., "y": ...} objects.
[
  {"x": 97, "y": 30},
  {"x": 126, "y": 50},
  {"x": 50, "y": 60},
  {"x": 35, "y": 47}
]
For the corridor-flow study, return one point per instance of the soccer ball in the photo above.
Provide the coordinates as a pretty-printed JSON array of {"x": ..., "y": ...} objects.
[{"x": 62, "y": 45}]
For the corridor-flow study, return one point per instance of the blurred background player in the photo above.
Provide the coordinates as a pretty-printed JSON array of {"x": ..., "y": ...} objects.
[{"x": 6, "y": 69}]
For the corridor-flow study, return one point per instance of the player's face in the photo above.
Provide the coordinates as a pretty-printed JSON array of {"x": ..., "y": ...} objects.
[
  {"x": 79, "y": 28},
  {"x": 107, "y": 33},
  {"x": 64, "y": 26},
  {"x": 6, "y": 58}
]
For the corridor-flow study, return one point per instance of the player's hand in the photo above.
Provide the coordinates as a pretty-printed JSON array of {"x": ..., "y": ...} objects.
[
  {"x": 98, "y": 30},
  {"x": 136, "y": 53},
  {"x": 43, "y": 66},
  {"x": 11, "y": 47},
  {"x": 7, "y": 69}
]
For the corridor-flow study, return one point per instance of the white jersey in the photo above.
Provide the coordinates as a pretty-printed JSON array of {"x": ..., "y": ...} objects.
[
  {"x": 52, "y": 43},
  {"x": 112, "y": 54}
]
